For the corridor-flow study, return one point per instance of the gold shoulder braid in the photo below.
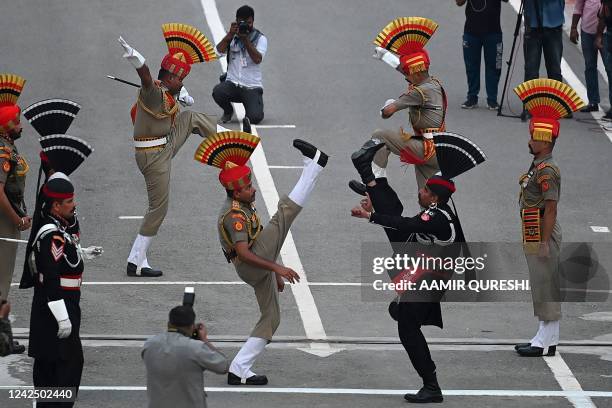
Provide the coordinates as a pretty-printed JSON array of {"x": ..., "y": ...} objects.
[{"x": 249, "y": 222}]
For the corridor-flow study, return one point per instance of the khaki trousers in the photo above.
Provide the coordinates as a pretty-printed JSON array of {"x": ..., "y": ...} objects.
[
  {"x": 8, "y": 253},
  {"x": 395, "y": 142},
  {"x": 268, "y": 246},
  {"x": 544, "y": 280},
  {"x": 155, "y": 165}
]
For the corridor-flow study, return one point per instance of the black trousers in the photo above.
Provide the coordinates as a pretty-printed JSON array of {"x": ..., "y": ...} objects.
[
  {"x": 227, "y": 92},
  {"x": 58, "y": 373},
  {"x": 410, "y": 315}
]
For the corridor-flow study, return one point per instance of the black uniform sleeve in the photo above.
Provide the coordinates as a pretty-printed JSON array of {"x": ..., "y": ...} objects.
[
  {"x": 50, "y": 259},
  {"x": 435, "y": 225}
]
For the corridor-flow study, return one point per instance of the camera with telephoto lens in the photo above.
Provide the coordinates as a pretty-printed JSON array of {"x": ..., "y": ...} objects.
[
  {"x": 188, "y": 300},
  {"x": 243, "y": 27}
]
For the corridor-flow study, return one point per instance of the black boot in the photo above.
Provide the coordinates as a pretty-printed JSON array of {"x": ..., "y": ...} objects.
[
  {"x": 310, "y": 151},
  {"x": 144, "y": 272},
  {"x": 233, "y": 379},
  {"x": 246, "y": 125},
  {"x": 531, "y": 351},
  {"x": 430, "y": 392},
  {"x": 357, "y": 187},
  {"x": 362, "y": 159}
]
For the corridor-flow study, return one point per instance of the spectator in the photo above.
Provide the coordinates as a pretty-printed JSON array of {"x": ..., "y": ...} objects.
[
  {"x": 588, "y": 10},
  {"x": 605, "y": 43},
  {"x": 482, "y": 33},
  {"x": 543, "y": 34},
  {"x": 245, "y": 47},
  {"x": 175, "y": 362}
]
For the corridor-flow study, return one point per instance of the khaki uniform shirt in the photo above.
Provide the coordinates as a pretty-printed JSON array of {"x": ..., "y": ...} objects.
[
  {"x": 541, "y": 183},
  {"x": 238, "y": 222},
  {"x": 425, "y": 103},
  {"x": 13, "y": 169},
  {"x": 155, "y": 112}
]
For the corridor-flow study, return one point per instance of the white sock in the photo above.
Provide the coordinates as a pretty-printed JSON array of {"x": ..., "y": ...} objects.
[
  {"x": 138, "y": 254},
  {"x": 307, "y": 181},
  {"x": 244, "y": 360},
  {"x": 547, "y": 335},
  {"x": 379, "y": 172}
]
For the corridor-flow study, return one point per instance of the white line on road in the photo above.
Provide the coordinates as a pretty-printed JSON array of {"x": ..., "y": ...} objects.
[
  {"x": 131, "y": 217},
  {"x": 19, "y": 241},
  {"x": 285, "y": 167},
  {"x": 199, "y": 283},
  {"x": 596, "y": 228},
  {"x": 307, "y": 307},
  {"x": 274, "y": 126},
  {"x": 358, "y": 391},
  {"x": 568, "y": 382}
]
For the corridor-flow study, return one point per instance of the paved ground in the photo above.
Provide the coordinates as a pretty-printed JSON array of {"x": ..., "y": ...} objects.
[{"x": 319, "y": 78}]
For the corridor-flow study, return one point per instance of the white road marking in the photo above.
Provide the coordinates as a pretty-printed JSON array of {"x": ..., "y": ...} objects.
[
  {"x": 599, "y": 229},
  {"x": 131, "y": 217},
  {"x": 199, "y": 283},
  {"x": 285, "y": 167},
  {"x": 359, "y": 391},
  {"x": 274, "y": 126},
  {"x": 19, "y": 241},
  {"x": 307, "y": 307},
  {"x": 568, "y": 382},
  {"x": 571, "y": 78}
]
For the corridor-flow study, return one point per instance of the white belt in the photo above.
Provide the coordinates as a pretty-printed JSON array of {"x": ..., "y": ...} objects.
[
  {"x": 151, "y": 143},
  {"x": 70, "y": 282}
]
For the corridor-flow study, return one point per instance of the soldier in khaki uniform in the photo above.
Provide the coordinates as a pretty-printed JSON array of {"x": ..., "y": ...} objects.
[
  {"x": 547, "y": 100},
  {"x": 425, "y": 99},
  {"x": 13, "y": 169},
  {"x": 252, "y": 248},
  {"x": 160, "y": 129}
]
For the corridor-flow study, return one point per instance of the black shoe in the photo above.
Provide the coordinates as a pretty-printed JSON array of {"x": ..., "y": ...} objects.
[
  {"x": 246, "y": 125},
  {"x": 525, "y": 116},
  {"x": 521, "y": 345},
  {"x": 357, "y": 187},
  {"x": 144, "y": 272},
  {"x": 469, "y": 104},
  {"x": 233, "y": 379},
  {"x": 227, "y": 117},
  {"x": 362, "y": 159},
  {"x": 310, "y": 151},
  {"x": 425, "y": 395},
  {"x": 492, "y": 106},
  {"x": 591, "y": 107},
  {"x": 531, "y": 351},
  {"x": 17, "y": 348},
  {"x": 607, "y": 116}
]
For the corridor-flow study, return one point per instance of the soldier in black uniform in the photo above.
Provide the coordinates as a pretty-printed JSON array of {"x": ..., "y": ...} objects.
[
  {"x": 435, "y": 225},
  {"x": 56, "y": 316}
]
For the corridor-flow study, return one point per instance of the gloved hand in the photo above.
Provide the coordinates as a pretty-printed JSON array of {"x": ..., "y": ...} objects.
[
  {"x": 91, "y": 252},
  {"x": 387, "y": 103},
  {"x": 386, "y": 56},
  {"x": 58, "y": 308},
  {"x": 133, "y": 56},
  {"x": 184, "y": 98}
]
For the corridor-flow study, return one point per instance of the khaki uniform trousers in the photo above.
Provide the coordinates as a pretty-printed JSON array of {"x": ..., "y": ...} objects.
[
  {"x": 268, "y": 246},
  {"x": 155, "y": 165},
  {"x": 395, "y": 142},
  {"x": 544, "y": 280},
  {"x": 8, "y": 253}
]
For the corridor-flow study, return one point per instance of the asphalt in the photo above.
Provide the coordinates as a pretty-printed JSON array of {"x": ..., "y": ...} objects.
[{"x": 318, "y": 76}]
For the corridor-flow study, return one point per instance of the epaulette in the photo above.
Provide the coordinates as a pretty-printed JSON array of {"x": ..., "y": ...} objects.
[{"x": 544, "y": 165}]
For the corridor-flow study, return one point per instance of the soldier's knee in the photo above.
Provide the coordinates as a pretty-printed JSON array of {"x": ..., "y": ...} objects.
[
  {"x": 255, "y": 118},
  {"x": 379, "y": 134}
]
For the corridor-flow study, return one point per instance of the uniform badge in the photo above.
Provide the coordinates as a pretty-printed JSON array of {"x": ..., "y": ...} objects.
[
  {"x": 238, "y": 226},
  {"x": 57, "y": 250},
  {"x": 544, "y": 186},
  {"x": 6, "y": 167},
  {"x": 425, "y": 216}
]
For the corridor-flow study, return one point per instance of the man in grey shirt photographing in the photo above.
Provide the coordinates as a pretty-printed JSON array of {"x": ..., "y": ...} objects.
[{"x": 175, "y": 362}]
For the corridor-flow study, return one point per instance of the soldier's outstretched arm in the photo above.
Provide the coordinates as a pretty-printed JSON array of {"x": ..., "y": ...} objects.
[
  {"x": 246, "y": 255},
  {"x": 138, "y": 61}
]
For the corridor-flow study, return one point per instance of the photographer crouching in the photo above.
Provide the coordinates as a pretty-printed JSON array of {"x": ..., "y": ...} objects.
[
  {"x": 175, "y": 362},
  {"x": 245, "y": 47}
]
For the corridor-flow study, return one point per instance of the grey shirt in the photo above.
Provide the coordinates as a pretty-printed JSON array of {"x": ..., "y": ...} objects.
[{"x": 175, "y": 367}]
